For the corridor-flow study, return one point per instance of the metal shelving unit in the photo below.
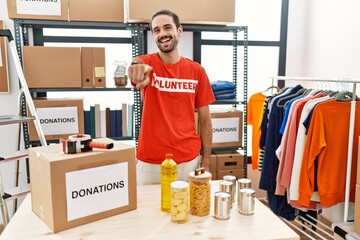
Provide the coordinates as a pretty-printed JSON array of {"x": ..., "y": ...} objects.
[{"x": 138, "y": 41}]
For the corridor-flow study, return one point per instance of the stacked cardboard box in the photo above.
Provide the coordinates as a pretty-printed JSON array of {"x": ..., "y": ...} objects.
[
  {"x": 230, "y": 163},
  {"x": 64, "y": 67},
  {"x": 119, "y": 11},
  {"x": 58, "y": 118},
  {"x": 227, "y": 128}
]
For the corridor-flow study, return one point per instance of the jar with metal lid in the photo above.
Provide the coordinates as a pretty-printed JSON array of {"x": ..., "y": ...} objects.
[
  {"x": 200, "y": 188},
  {"x": 179, "y": 201}
]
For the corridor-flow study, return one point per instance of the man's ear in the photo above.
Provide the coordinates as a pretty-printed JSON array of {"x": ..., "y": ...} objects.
[{"x": 180, "y": 31}]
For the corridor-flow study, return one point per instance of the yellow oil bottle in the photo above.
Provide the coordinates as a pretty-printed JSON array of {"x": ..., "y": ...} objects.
[{"x": 168, "y": 174}]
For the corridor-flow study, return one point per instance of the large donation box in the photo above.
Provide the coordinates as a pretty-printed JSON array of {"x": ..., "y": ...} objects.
[{"x": 68, "y": 190}]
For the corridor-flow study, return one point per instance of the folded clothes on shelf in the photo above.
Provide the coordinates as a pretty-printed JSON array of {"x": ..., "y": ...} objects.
[
  {"x": 223, "y": 90},
  {"x": 228, "y": 96},
  {"x": 222, "y": 85}
]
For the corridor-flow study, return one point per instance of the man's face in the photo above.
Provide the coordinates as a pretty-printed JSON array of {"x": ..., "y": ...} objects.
[{"x": 165, "y": 33}]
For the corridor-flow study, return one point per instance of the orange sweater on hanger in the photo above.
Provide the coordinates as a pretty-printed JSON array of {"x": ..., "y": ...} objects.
[
  {"x": 254, "y": 118},
  {"x": 327, "y": 140}
]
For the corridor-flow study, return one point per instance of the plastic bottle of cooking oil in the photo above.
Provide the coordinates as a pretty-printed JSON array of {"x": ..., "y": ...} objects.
[{"x": 168, "y": 174}]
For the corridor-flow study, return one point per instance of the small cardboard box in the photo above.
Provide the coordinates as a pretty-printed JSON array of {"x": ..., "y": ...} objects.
[
  {"x": 43, "y": 10},
  {"x": 52, "y": 67},
  {"x": 230, "y": 161},
  {"x": 357, "y": 209},
  {"x": 97, "y": 11},
  {"x": 219, "y": 12},
  {"x": 58, "y": 117},
  {"x": 69, "y": 190},
  {"x": 227, "y": 128},
  {"x": 93, "y": 67}
]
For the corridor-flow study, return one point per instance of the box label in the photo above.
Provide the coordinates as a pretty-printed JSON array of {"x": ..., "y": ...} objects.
[
  {"x": 96, "y": 190},
  {"x": 58, "y": 120},
  {"x": 42, "y": 7},
  {"x": 225, "y": 130}
]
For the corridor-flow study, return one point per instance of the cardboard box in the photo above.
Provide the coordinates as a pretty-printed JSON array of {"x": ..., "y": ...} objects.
[
  {"x": 59, "y": 118},
  {"x": 230, "y": 161},
  {"x": 4, "y": 74},
  {"x": 44, "y": 10},
  {"x": 227, "y": 128},
  {"x": 97, "y": 11},
  {"x": 52, "y": 67},
  {"x": 357, "y": 209},
  {"x": 93, "y": 67},
  {"x": 219, "y": 12},
  {"x": 67, "y": 190},
  {"x": 237, "y": 173}
]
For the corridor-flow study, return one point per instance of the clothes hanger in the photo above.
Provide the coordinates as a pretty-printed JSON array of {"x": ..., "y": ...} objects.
[
  {"x": 345, "y": 96},
  {"x": 271, "y": 88},
  {"x": 289, "y": 97}
]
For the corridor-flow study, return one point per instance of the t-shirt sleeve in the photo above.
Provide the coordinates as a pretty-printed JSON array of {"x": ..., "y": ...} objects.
[{"x": 204, "y": 94}]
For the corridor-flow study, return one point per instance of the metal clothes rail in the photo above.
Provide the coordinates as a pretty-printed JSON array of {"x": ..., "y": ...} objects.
[{"x": 351, "y": 126}]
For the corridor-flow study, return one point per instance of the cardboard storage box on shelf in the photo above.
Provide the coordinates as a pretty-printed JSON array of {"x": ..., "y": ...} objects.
[
  {"x": 227, "y": 128},
  {"x": 59, "y": 118},
  {"x": 4, "y": 75},
  {"x": 52, "y": 67},
  {"x": 357, "y": 209},
  {"x": 230, "y": 164},
  {"x": 93, "y": 67},
  {"x": 230, "y": 161},
  {"x": 42, "y": 10},
  {"x": 97, "y": 11},
  {"x": 69, "y": 190},
  {"x": 217, "y": 12}
]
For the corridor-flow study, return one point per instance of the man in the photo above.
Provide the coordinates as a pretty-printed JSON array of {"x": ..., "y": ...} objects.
[{"x": 172, "y": 88}]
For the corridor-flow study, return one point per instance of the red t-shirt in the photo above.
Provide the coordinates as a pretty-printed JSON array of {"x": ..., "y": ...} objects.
[{"x": 169, "y": 102}]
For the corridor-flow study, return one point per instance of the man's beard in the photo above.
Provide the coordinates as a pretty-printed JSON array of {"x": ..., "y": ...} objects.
[{"x": 169, "y": 48}]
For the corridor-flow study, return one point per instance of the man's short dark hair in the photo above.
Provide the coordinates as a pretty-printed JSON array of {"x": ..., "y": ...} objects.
[{"x": 169, "y": 13}]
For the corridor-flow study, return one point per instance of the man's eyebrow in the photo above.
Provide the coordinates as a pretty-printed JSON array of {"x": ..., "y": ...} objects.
[{"x": 166, "y": 25}]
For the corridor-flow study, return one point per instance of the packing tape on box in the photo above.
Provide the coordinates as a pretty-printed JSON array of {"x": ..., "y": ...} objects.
[{"x": 82, "y": 143}]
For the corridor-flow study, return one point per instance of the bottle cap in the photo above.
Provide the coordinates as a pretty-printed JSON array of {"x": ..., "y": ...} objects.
[{"x": 168, "y": 155}]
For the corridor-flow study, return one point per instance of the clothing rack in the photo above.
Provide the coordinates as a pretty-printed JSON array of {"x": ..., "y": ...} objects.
[{"x": 351, "y": 126}]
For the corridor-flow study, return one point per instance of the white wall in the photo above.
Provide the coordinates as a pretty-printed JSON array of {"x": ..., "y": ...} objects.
[{"x": 323, "y": 41}]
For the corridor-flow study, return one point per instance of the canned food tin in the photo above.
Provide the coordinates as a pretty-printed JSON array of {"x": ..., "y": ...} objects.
[
  {"x": 226, "y": 186},
  {"x": 222, "y": 204},
  {"x": 246, "y": 201},
  {"x": 232, "y": 179},
  {"x": 244, "y": 183}
]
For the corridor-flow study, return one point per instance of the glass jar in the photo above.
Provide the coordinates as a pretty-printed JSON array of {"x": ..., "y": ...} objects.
[
  {"x": 179, "y": 201},
  {"x": 120, "y": 77},
  {"x": 200, "y": 188}
]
